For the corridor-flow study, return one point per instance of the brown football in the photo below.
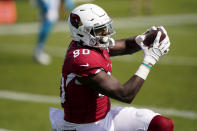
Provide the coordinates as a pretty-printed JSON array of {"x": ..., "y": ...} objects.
[{"x": 150, "y": 37}]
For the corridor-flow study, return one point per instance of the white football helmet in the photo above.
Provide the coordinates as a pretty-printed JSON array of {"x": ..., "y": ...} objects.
[{"x": 91, "y": 25}]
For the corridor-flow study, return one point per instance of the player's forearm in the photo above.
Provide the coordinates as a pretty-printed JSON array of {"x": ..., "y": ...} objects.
[
  {"x": 124, "y": 46},
  {"x": 132, "y": 87}
]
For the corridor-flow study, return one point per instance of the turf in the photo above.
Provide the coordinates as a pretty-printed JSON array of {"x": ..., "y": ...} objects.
[
  {"x": 168, "y": 85},
  {"x": 28, "y": 12}
]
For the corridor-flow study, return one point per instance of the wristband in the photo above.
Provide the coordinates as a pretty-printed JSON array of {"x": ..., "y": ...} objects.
[
  {"x": 147, "y": 65},
  {"x": 143, "y": 71}
]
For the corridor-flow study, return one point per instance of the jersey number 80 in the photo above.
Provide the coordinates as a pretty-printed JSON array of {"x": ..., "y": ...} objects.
[{"x": 83, "y": 51}]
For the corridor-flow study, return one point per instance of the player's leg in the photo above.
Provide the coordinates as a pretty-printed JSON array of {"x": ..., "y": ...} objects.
[
  {"x": 59, "y": 124},
  {"x": 49, "y": 14},
  {"x": 91, "y": 127},
  {"x": 39, "y": 54},
  {"x": 69, "y": 4},
  {"x": 132, "y": 119},
  {"x": 161, "y": 123}
]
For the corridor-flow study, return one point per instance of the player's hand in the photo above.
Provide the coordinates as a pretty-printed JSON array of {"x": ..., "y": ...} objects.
[{"x": 152, "y": 54}]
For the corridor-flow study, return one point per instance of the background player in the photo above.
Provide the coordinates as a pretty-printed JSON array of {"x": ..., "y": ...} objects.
[
  {"x": 87, "y": 82},
  {"x": 143, "y": 7},
  {"x": 49, "y": 12}
]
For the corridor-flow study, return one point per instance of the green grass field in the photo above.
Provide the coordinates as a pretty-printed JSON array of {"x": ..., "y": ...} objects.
[{"x": 170, "y": 85}]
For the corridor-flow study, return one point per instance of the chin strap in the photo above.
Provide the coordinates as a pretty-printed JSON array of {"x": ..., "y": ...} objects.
[
  {"x": 103, "y": 42},
  {"x": 110, "y": 43}
]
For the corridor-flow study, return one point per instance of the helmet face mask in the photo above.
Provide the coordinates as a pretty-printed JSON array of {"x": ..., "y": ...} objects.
[
  {"x": 90, "y": 24},
  {"x": 101, "y": 35},
  {"x": 102, "y": 29}
]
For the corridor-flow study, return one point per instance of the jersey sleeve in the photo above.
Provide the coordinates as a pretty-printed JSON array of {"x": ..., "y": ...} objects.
[{"x": 88, "y": 63}]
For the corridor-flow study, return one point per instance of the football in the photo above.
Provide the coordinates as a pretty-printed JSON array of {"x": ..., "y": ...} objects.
[{"x": 150, "y": 37}]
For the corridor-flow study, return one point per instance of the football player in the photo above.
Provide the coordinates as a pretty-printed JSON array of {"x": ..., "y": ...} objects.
[
  {"x": 49, "y": 13},
  {"x": 87, "y": 83}
]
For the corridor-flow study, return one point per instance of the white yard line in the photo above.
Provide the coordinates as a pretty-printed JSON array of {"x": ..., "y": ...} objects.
[
  {"x": 118, "y": 23},
  {"x": 135, "y": 22},
  {"x": 167, "y": 60},
  {"x": 1, "y": 129},
  {"x": 60, "y": 52},
  {"x": 167, "y": 111},
  {"x": 19, "y": 96}
]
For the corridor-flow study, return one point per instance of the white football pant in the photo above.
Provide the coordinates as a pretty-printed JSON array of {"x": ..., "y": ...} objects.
[{"x": 117, "y": 119}]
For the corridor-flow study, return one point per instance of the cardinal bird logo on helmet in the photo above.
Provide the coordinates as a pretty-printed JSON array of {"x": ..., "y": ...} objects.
[{"x": 75, "y": 20}]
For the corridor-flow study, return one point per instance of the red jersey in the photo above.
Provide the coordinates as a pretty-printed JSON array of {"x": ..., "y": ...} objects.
[{"x": 82, "y": 104}]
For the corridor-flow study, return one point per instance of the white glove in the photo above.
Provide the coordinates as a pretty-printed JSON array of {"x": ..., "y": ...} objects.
[{"x": 152, "y": 54}]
